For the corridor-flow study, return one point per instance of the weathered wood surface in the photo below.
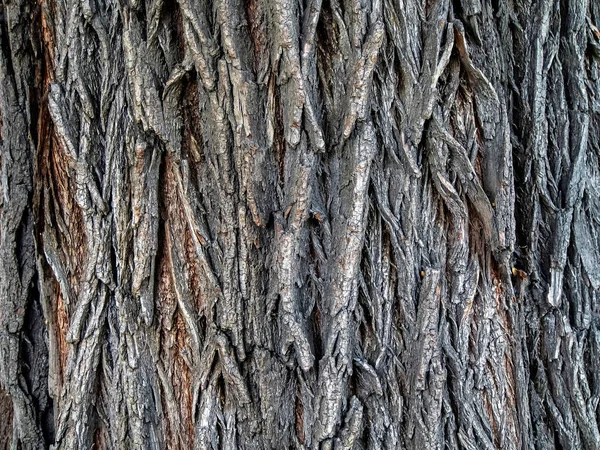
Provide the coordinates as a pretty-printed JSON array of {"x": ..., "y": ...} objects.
[{"x": 333, "y": 224}]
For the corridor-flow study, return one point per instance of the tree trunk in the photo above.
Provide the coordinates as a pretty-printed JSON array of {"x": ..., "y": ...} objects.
[{"x": 325, "y": 224}]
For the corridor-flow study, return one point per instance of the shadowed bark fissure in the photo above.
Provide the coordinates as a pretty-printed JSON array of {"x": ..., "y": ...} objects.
[{"x": 326, "y": 224}]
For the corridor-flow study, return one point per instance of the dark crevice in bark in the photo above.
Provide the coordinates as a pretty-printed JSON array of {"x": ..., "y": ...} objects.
[
  {"x": 34, "y": 361},
  {"x": 5, "y": 43}
]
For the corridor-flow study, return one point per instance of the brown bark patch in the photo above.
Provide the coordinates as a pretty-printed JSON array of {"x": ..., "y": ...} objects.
[
  {"x": 182, "y": 384},
  {"x": 192, "y": 141},
  {"x": 167, "y": 302},
  {"x": 62, "y": 326},
  {"x": 490, "y": 413},
  {"x": 195, "y": 278},
  {"x": 258, "y": 31},
  {"x": 278, "y": 132},
  {"x": 6, "y": 423},
  {"x": 173, "y": 334},
  {"x": 300, "y": 420},
  {"x": 54, "y": 201}
]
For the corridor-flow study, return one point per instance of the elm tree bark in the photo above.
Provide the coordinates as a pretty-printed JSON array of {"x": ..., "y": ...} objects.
[{"x": 315, "y": 224}]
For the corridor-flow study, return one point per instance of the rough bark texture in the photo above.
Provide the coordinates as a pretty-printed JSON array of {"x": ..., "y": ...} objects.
[{"x": 316, "y": 224}]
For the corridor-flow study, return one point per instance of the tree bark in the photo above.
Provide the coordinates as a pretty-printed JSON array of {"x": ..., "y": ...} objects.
[{"x": 324, "y": 224}]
